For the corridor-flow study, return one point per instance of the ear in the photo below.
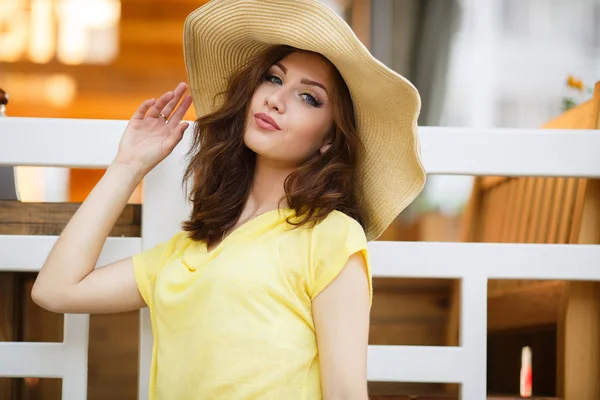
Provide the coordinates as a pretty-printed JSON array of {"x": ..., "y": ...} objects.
[{"x": 327, "y": 143}]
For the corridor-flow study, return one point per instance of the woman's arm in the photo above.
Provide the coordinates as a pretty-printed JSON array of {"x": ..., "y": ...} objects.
[
  {"x": 341, "y": 315},
  {"x": 68, "y": 282}
]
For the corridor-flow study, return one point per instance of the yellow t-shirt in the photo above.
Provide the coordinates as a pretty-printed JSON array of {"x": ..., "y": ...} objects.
[{"x": 236, "y": 322}]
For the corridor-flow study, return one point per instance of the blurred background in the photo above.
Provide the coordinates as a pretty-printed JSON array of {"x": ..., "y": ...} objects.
[{"x": 476, "y": 63}]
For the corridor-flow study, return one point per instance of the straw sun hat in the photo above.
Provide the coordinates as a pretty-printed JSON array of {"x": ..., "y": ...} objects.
[{"x": 223, "y": 34}]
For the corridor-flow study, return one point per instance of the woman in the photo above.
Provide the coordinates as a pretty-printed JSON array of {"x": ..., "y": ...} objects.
[{"x": 305, "y": 148}]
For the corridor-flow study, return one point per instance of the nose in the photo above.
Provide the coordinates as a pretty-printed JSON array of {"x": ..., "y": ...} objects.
[{"x": 275, "y": 102}]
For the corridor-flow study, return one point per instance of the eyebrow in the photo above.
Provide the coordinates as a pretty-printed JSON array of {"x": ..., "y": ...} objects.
[{"x": 303, "y": 80}]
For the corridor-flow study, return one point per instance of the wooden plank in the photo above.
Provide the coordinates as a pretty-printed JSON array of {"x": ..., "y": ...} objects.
[
  {"x": 525, "y": 220},
  {"x": 582, "y": 341},
  {"x": 517, "y": 211},
  {"x": 557, "y": 205},
  {"x": 547, "y": 198},
  {"x": 503, "y": 209},
  {"x": 492, "y": 214},
  {"x": 566, "y": 217},
  {"x": 17, "y": 218},
  {"x": 511, "y": 210},
  {"x": 578, "y": 210},
  {"x": 56, "y": 229},
  {"x": 409, "y": 316},
  {"x": 55, "y": 213},
  {"x": 407, "y": 333},
  {"x": 452, "y": 336},
  {"x": 418, "y": 284},
  {"x": 536, "y": 204},
  {"x": 530, "y": 305},
  {"x": 483, "y": 230},
  {"x": 412, "y": 305}
]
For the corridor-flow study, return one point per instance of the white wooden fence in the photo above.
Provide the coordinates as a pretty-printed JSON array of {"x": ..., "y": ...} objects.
[{"x": 453, "y": 151}]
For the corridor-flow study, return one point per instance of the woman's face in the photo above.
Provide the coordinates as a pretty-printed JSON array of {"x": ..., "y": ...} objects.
[{"x": 291, "y": 112}]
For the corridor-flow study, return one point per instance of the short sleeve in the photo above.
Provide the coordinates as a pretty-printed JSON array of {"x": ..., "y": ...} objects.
[
  {"x": 334, "y": 240},
  {"x": 147, "y": 265}
]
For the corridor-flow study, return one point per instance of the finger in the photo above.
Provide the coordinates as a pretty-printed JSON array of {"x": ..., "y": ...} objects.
[
  {"x": 181, "y": 110},
  {"x": 162, "y": 101},
  {"x": 175, "y": 137},
  {"x": 177, "y": 93},
  {"x": 142, "y": 109}
]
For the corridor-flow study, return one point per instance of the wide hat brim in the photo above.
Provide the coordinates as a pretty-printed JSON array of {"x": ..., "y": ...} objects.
[{"x": 222, "y": 35}]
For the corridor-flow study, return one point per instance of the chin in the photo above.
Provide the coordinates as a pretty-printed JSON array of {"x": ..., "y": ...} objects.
[{"x": 257, "y": 142}]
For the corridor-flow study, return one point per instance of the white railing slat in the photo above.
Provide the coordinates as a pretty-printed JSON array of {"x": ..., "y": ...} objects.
[
  {"x": 511, "y": 152},
  {"x": 27, "y": 253},
  {"x": 55, "y": 142},
  {"x": 43, "y": 360},
  {"x": 453, "y": 151},
  {"x": 492, "y": 260}
]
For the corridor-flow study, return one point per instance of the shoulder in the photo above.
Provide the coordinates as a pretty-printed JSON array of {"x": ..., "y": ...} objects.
[
  {"x": 338, "y": 224},
  {"x": 335, "y": 241},
  {"x": 338, "y": 231}
]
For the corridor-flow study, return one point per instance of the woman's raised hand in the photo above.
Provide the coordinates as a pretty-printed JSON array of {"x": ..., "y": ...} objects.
[{"x": 154, "y": 131}]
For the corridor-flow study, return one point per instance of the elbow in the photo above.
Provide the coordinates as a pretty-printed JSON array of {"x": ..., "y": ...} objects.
[{"x": 46, "y": 298}]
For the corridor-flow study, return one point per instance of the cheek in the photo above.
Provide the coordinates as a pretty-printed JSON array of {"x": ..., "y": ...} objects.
[{"x": 309, "y": 129}]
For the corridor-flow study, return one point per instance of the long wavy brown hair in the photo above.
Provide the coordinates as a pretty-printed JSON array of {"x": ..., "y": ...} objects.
[{"x": 222, "y": 166}]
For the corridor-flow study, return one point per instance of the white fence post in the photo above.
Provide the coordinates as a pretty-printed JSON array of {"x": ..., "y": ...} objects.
[
  {"x": 473, "y": 334},
  {"x": 75, "y": 350}
]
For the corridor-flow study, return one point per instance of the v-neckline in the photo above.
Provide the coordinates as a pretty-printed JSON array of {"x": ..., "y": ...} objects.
[{"x": 241, "y": 228}]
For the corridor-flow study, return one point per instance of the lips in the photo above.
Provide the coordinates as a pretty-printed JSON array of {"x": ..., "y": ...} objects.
[{"x": 265, "y": 121}]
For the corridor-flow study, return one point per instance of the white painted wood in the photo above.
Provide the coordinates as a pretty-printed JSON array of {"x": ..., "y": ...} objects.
[
  {"x": 448, "y": 151},
  {"x": 491, "y": 260},
  {"x": 43, "y": 360},
  {"x": 67, "y": 360},
  {"x": 415, "y": 364},
  {"x": 55, "y": 142},
  {"x": 75, "y": 356},
  {"x": 510, "y": 152},
  {"x": 473, "y": 335},
  {"x": 28, "y": 253}
]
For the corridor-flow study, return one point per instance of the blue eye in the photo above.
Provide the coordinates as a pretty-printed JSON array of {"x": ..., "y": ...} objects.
[
  {"x": 311, "y": 100},
  {"x": 273, "y": 79},
  {"x": 308, "y": 98}
]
